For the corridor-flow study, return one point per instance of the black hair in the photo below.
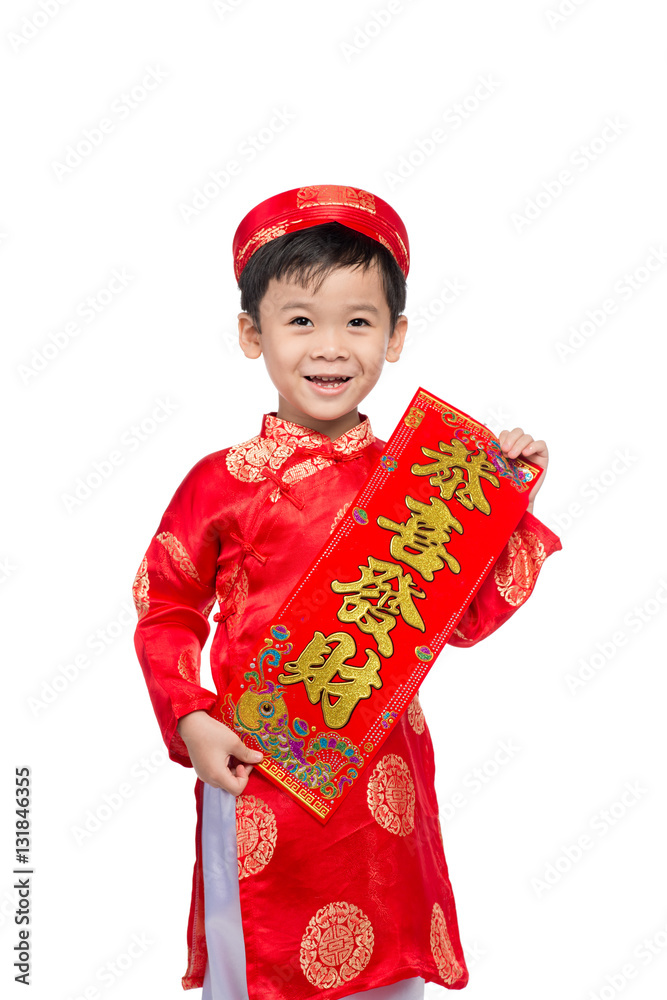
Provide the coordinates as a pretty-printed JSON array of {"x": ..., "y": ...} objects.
[{"x": 309, "y": 255}]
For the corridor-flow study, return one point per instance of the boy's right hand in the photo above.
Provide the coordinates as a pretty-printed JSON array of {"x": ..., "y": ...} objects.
[{"x": 216, "y": 752}]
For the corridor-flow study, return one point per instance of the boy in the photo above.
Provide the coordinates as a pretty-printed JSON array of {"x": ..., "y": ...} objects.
[{"x": 283, "y": 907}]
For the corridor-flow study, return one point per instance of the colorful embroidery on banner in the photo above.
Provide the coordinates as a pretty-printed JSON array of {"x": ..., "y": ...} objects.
[
  {"x": 256, "y": 834},
  {"x": 327, "y": 762},
  {"x": 517, "y": 568},
  {"x": 179, "y": 554},
  {"x": 336, "y": 946},
  {"x": 442, "y": 949},
  {"x": 390, "y": 794},
  {"x": 140, "y": 589}
]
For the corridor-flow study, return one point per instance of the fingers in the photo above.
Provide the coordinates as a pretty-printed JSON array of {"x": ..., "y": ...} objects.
[
  {"x": 514, "y": 442},
  {"x": 233, "y": 780},
  {"x": 245, "y": 753}
]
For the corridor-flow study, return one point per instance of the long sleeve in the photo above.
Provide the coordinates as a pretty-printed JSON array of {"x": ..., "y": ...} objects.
[
  {"x": 174, "y": 591},
  {"x": 509, "y": 583}
]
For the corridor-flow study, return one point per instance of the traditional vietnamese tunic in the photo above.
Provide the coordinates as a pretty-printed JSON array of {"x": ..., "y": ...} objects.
[{"x": 327, "y": 910}]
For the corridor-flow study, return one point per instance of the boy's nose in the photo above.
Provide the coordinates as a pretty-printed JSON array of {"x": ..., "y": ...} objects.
[{"x": 329, "y": 345}]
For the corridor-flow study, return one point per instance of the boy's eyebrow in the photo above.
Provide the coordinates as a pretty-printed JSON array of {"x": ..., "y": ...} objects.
[{"x": 353, "y": 306}]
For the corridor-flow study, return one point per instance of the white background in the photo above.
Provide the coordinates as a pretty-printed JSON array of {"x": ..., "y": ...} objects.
[{"x": 360, "y": 97}]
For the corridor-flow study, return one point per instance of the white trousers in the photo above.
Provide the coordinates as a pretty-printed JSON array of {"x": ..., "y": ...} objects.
[{"x": 225, "y": 977}]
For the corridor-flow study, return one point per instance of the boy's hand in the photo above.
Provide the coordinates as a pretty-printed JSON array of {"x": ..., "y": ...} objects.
[
  {"x": 216, "y": 752},
  {"x": 516, "y": 444}
]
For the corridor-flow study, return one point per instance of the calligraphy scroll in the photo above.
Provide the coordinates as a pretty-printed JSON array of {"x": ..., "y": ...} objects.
[{"x": 333, "y": 675}]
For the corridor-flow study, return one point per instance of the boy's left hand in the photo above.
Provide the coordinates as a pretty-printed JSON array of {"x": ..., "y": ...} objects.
[{"x": 516, "y": 444}]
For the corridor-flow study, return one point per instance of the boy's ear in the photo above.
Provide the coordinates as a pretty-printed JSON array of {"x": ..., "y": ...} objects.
[
  {"x": 397, "y": 339},
  {"x": 249, "y": 336}
]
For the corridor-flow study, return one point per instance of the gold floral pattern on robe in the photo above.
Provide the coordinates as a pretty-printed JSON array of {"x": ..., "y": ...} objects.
[
  {"x": 179, "y": 554},
  {"x": 279, "y": 440},
  {"x": 232, "y": 595},
  {"x": 441, "y": 947},
  {"x": 140, "y": 589},
  {"x": 340, "y": 514},
  {"x": 187, "y": 667},
  {"x": 518, "y": 565},
  {"x": 256, "y": 834},
  {"x": 337, "y": 945},
  {"x": 390, "y": 794},
  {"x": 245, "y": 461}
]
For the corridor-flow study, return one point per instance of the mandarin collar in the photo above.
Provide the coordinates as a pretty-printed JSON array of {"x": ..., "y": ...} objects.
[{"x": 295, "y": 435}]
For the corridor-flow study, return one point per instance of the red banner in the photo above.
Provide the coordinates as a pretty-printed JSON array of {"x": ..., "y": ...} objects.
[{"x": 351, "y": 646}]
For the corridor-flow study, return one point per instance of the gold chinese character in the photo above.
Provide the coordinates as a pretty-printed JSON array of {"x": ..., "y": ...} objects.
[
  {"x": 420, "y": 542},
  {"x": 317, "y": 665},
  {"x": 375, "y": 585},
  {"x": 447, "y": 473}
]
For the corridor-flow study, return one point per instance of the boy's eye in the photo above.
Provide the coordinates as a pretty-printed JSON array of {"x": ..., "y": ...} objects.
[
  {"x": 358, "y": 319},
  {"x": 300, "y": 320}
]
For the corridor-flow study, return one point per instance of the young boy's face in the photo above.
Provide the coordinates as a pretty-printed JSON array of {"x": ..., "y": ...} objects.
[{"x": 324, "y": 350}]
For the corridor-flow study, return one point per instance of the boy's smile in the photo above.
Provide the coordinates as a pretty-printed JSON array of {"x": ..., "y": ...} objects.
[{"x": 324, "y": 349}]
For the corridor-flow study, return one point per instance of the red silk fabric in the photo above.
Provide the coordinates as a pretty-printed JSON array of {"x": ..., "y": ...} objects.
[
  {"x": 304, "y": 207},
  {"x": 366, "y": 899}
]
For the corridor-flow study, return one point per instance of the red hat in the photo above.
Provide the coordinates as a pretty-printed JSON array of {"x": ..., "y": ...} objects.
[{"x": 304, "y": 207}]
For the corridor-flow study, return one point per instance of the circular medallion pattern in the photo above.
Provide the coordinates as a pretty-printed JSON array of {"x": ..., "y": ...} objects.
[
  {"x": 441, "y": 948},
  {"x": 416, "y": 715},
  {"x": 390, "y": 794},
  {"x": 337, "y": 945}
]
